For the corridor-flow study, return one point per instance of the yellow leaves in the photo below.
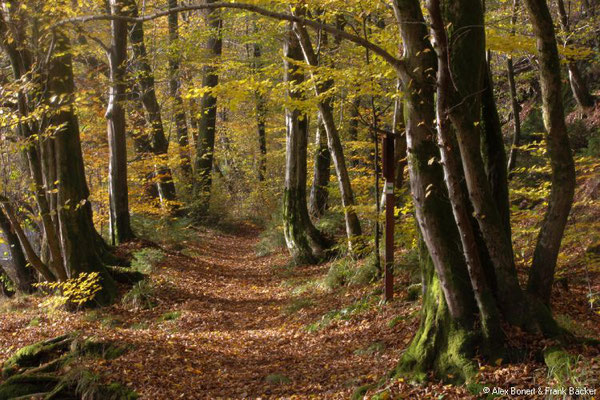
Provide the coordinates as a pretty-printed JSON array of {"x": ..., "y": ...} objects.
[{"x": 76, "y": 291}]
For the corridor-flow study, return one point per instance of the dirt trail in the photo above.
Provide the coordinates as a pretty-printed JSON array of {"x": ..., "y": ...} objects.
[
  {"x": 234, "y": 338},
  {"x": 228, "y": 324}
]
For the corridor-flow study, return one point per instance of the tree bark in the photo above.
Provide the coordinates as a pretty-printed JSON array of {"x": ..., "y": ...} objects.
[
  {"x": 82, "y": 248},
  {"x": 546, "y": 251},
  {"x": 159, "y": 144},
  {"x": 21, "y": 63},
  {"x": 319, "y": 194},
  {"x": 492, "y": 148},
  {"x": 120, "y": 224},
  {"x": 179, "y": 117},
  {"x": 205, "y": 144},
  {"x": 261, "y": 115},
  {"x": 453, "y": 175},
  {"x": 305, "y": 243}
]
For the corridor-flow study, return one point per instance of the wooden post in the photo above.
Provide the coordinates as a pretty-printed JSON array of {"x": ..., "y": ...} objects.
[{"x": 388, "y": 174}]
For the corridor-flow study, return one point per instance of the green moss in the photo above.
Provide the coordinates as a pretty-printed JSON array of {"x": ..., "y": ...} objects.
[
  {"x": 36, "y": 354},
  {"x": 170, "y": 316},
  {"x": 360, "y": 392},
  {"x": 559, "y": 363},
  {"x": 93, "y": 348},
  {"x": 277, "y": 379},
  {"x": 145, "y": 260},
  {"x": 440, "y": 345},
  {"x": 23, "y": 385}
]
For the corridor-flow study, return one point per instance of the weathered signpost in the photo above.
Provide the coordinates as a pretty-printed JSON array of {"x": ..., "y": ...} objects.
[{"x": 388, "y": 162}]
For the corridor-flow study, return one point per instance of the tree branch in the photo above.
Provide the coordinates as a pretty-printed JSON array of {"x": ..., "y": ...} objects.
[{"x": 395, "y": 62}]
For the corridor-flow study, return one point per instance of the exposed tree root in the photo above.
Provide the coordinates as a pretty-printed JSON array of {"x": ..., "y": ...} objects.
[{"x": 39, "y": 371}]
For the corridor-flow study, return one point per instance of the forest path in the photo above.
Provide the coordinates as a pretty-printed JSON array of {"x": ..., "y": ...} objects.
[{"x": 239, "y": 334}]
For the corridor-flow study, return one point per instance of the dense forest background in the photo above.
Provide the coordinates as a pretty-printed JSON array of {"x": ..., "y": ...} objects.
[{"x": 192, "y": 198}]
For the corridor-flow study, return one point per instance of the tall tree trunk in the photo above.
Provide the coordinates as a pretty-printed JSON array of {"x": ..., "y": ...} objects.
[
  {"x": 514, "y": 100},
  {"x": 304, "y": 242},
  {"x": 353, "y": 230},
  {"x": 159, "y": 144},
  {"x": 261, "y": 115},
  {"x": 80, "y": 243},
  {"x": 319, "y": 193},
  {"x": 546, "y": 251},
  {"x": 120, "y": 224},
  {"x": 17, "y": 270},
  {"x": 453, "y": 175},
  {"x": 447, "y": 296},
  {"x": 21, "y": 63},
  {"x": 205, "y": 145},
  {"x": 579, "y": 87},
  {"x": 179, "y": 117}
]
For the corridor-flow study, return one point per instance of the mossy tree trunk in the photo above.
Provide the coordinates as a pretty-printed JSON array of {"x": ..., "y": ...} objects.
[
  {"x": 304, "y": 241},
  {"x": 207, "y": 117},
  {"x": 545, "y": 254},
  {"x": 461, "y": 297}
]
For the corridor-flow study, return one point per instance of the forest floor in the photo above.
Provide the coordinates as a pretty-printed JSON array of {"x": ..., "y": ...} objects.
[
  {"x": 227, "y": 323},
  {"x": 216, "y": 319}
]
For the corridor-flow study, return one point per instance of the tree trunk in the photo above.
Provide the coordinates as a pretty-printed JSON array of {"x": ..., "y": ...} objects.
[
  {"x": 32, "y": 257},
  {"x": 17, "y": 270},
  {"x": 353, "y": 230},
  {"x": 319, "y": 193},
  {"x": 304, "y": 242},
  {"x": 546, "y": 251},
  {"x": 159, "y": 144},
  {"x": 205, "y": 145},
  {"x": 453, "y": 176},
  {"x": 442, "y": 342},
  {"x": 179, "y": 117},
  {"x": 516, "y": 108},
  {"x": 120, "y": 225},
  {"x": 21, "y": 63},
  {"x": 82, "y": 250},
  {"x": 579, "y": 87},
  {"x": 492, "y": 148},
  {"x": 261, "y": 115}
]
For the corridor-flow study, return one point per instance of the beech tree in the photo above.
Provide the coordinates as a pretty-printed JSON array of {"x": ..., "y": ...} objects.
[
  {"x": 207, "y": 115},
  {"x": 120, "y": 223},
  {"x": 156, "y": 142},
  {"x": 75, "y": 247},
  {"x": 304, "y": 241}
]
